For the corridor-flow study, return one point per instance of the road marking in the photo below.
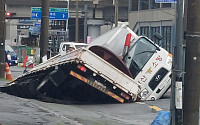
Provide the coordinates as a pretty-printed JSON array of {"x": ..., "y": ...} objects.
[
  {"x": 140, "y": 103},
  {"x": 155, "y": 108},
  {"x": 151, "y": 107}
]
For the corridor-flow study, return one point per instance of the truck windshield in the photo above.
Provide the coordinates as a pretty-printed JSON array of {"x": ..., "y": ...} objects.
[{"x": 139, "y": 54}]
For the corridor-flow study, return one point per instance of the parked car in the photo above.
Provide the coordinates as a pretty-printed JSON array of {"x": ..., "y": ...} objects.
[{"x": 10, "y": 56}]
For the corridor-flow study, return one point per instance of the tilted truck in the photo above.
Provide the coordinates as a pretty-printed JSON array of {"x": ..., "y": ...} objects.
[
  {"x": 150, "y": 65},
  {"x": 97, "y": 74},
  {"x": 79, "y": 76}
]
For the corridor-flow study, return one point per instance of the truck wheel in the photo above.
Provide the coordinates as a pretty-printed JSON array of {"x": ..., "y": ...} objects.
[{"x": 153, "y": 98}]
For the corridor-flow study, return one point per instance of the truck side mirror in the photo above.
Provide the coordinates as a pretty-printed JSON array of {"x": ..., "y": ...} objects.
[{"x": 157, "y": 36}]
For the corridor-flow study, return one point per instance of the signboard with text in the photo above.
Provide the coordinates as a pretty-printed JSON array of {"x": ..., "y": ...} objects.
[
  {"x": 165, "y": 1},
  {"x": 54, "y": 13},
  {"x": 23, "y": 26},
  {"x": 27, "y": 20}
]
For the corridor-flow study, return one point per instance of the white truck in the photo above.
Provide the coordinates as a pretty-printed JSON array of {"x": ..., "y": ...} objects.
[
  {"x": 97, "y": 74},
  {"x": 149, "y": 64},
  {"x": 78, "y": 76}
]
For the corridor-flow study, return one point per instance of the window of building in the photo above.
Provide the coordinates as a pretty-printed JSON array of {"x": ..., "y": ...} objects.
[
  {"x": 137, "y": 32},
  {"x": 154, "y": 5},
  {"x": 134, "y": 5},
  {"x": 166, "y": 34},
  {"x": 166, "y": 5},
  {"x": 153, "y": 31},
  {"x": 144, "y": 4},
  {"x": 164, "y": 28},
  {"x": 147, "y": 4},
  {"x": 144, "y": 31}
]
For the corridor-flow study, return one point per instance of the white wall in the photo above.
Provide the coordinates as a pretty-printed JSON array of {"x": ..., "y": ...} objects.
[
  {"x": 11, "y": 31},
  {"x": 150, "y": 16}
]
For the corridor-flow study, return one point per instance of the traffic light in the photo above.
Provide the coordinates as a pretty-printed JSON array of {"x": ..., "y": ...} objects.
[{"x": 9, "y": 14}]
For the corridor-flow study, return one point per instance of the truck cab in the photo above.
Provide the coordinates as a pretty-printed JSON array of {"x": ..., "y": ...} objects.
[{"x": 149, "y": 64}]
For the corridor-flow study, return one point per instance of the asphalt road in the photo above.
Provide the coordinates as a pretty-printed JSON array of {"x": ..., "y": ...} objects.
[{"x": 20, "y": 111}]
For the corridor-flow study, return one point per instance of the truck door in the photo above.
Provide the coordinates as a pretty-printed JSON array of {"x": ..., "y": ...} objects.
[{"x": 139, "y": 54}]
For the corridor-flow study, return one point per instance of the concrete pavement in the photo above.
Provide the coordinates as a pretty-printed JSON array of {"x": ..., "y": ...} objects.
[{"x": 20, "y": 111}]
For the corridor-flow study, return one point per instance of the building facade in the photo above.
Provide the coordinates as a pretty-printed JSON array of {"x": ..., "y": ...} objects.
[
  {"x": 146, "y": 17},
  {"x": 18, "y": 24}
]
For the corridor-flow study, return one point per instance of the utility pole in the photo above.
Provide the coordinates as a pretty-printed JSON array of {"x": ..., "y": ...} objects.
[
  {"x": 116, "y": 13},
  {"x": 176, "y": 103},
  {"x": 67, "y": 21},
  {"x": 76, "y": 34},
  {"x": 85, "y": 23},
  {"x": 192, "y": 64},
  {"x": 44, "y": 30},
  {"x": 2, "y": 39}
]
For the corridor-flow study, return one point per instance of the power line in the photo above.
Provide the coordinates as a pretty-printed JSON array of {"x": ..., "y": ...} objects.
[{"x": 2, "y": 38}]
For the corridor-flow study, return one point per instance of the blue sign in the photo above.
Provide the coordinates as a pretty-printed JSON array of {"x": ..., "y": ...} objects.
[
  {"x": 36, "y": 15},
  {"x": 165, "y": 1},
  {"x": 54, "y": 13},
  {"x": 34, "y": 30},
  {"x": 58, "y": 15},
  {"x": 37, "y": 24}
]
